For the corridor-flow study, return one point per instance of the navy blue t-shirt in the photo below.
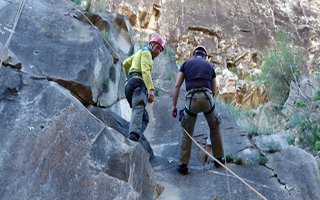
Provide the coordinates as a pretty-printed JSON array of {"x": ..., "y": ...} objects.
[{"x": 198, "y": 73}]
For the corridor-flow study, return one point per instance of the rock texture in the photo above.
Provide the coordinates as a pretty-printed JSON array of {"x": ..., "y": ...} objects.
[
  {"x": 52, "y": 146},
  {"x": 63, "y": 127},
  {"x": 236, "y": 33}
]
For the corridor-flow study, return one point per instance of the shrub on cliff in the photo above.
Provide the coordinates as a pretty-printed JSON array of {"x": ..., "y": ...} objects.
[{"x": 281, "y": 65}]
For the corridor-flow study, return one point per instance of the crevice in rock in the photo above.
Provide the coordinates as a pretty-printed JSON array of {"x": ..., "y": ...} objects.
[
  {"x": 80, "y": 91},
  {"x": 95, "y": 19},
  {"x": 11, "y": 2},
  {"x": 206, "y": 31},
  {"x": 244, "y": 148},
  {"x": 9, "y": 62},
  {"x": 275, "y": 175}
]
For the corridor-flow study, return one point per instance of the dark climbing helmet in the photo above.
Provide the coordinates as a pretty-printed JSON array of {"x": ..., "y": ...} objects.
[{"x": 200, "y": 51}]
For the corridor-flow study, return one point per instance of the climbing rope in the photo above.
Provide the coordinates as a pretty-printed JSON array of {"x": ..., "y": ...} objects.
[
  {"x": 89, "y": 21},
  {"x": 222, "y": 164},
  {"x": 6, "y": 46},
  {"x": 207, "y": 153},
  {"x": 234, "y": 174}
]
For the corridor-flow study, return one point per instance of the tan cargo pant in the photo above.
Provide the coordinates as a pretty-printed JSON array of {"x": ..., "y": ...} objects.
[{"x": 196, "y": 103}]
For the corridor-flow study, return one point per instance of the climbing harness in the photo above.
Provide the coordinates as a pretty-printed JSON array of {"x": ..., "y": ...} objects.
[
  {"x": 133, "y": 83},
  {"x": 6, "y": 46},
  {"x": 190, "y": 94}
]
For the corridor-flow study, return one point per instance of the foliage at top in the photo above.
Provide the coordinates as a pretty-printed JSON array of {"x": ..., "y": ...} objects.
[{"x": 281, "y": 66}]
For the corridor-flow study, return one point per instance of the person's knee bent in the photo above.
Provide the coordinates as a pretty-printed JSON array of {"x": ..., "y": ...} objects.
[{"x": 138, "y": 102}]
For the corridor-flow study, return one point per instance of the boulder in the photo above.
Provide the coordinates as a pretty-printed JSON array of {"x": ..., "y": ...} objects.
[
  {"x": 61, "y": 151},
  {"x": 52, "y": 146},
  {"x": 70, "y": 52},
  {"x": 298, "y": 171},
  {"x": 301, "y": 93}
]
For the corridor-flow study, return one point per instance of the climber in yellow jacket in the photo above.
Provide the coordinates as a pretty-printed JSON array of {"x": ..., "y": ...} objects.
[{"x": 139, "y": 86}]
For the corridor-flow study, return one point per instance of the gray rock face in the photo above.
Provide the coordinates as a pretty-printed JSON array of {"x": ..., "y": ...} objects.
[
  {"x": 53, "y": 44},
  {"x": 44, "y": 147},
  {"x": 54, "y": 146},
  {"x": 298, "y": 172},
  {"x": 51, "y": 146},
  {"x": 114, "y": 121}
]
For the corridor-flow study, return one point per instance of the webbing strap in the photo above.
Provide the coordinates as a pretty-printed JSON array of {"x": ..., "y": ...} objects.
[
  {"x": 194, "y": 90},
  {"x": 211, "y": 110},
  {"x": 189, "y": 112},
  {"x": 198, "y": 89}
]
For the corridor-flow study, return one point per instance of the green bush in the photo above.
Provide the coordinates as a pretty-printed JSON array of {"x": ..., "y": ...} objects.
[
  {"x": 230, "y": 158},
  {"x": 180, "y": 62},
  {"x": 245, "y": 120},
  {"x": 317, "y": 96},
  {"x": 310, "y": 135},
  {"x": 235, "y": 112},
  {"x": 281, "y": 65},
  {"x": 78, "y": 2},
  {"x": 291, "y": 140},
  {"x": 102, "y": 5},
  {"x": 262, "y": 160},
  {"x": 170, "y": 76},
  {"x": 318, "y": 145},
  {"x": 169, "y": 52},
  {"x": 88, "y": 5}
]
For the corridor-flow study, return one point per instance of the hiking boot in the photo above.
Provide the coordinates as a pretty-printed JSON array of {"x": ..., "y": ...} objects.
[
  {"x": 183, "y": 169},
  {"x": 221, "y": 159},
  {"x": 134, "y": 137}
]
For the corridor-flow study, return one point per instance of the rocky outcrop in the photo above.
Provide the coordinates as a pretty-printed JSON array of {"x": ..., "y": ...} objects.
[
  {"x": 62, "y": 127},
  {"x": 89, "y": 75},
  {"x": 61, "y": 151},
  {"x": 52, "y": 146},
  {"x": 236, "y": 33},
  {"x": 302, "y": 166}
]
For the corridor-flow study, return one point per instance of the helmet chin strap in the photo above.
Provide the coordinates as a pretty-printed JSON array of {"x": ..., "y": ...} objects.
[
  {"x": 152, "y": 45},
  {"x": 199, "y": 53}
]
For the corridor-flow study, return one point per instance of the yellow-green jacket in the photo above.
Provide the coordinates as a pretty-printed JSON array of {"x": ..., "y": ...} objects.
[{"x": 141, "y": 62}]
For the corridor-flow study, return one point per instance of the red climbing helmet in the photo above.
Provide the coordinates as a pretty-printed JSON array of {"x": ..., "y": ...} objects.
[{"x": 158, "y": 39}]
